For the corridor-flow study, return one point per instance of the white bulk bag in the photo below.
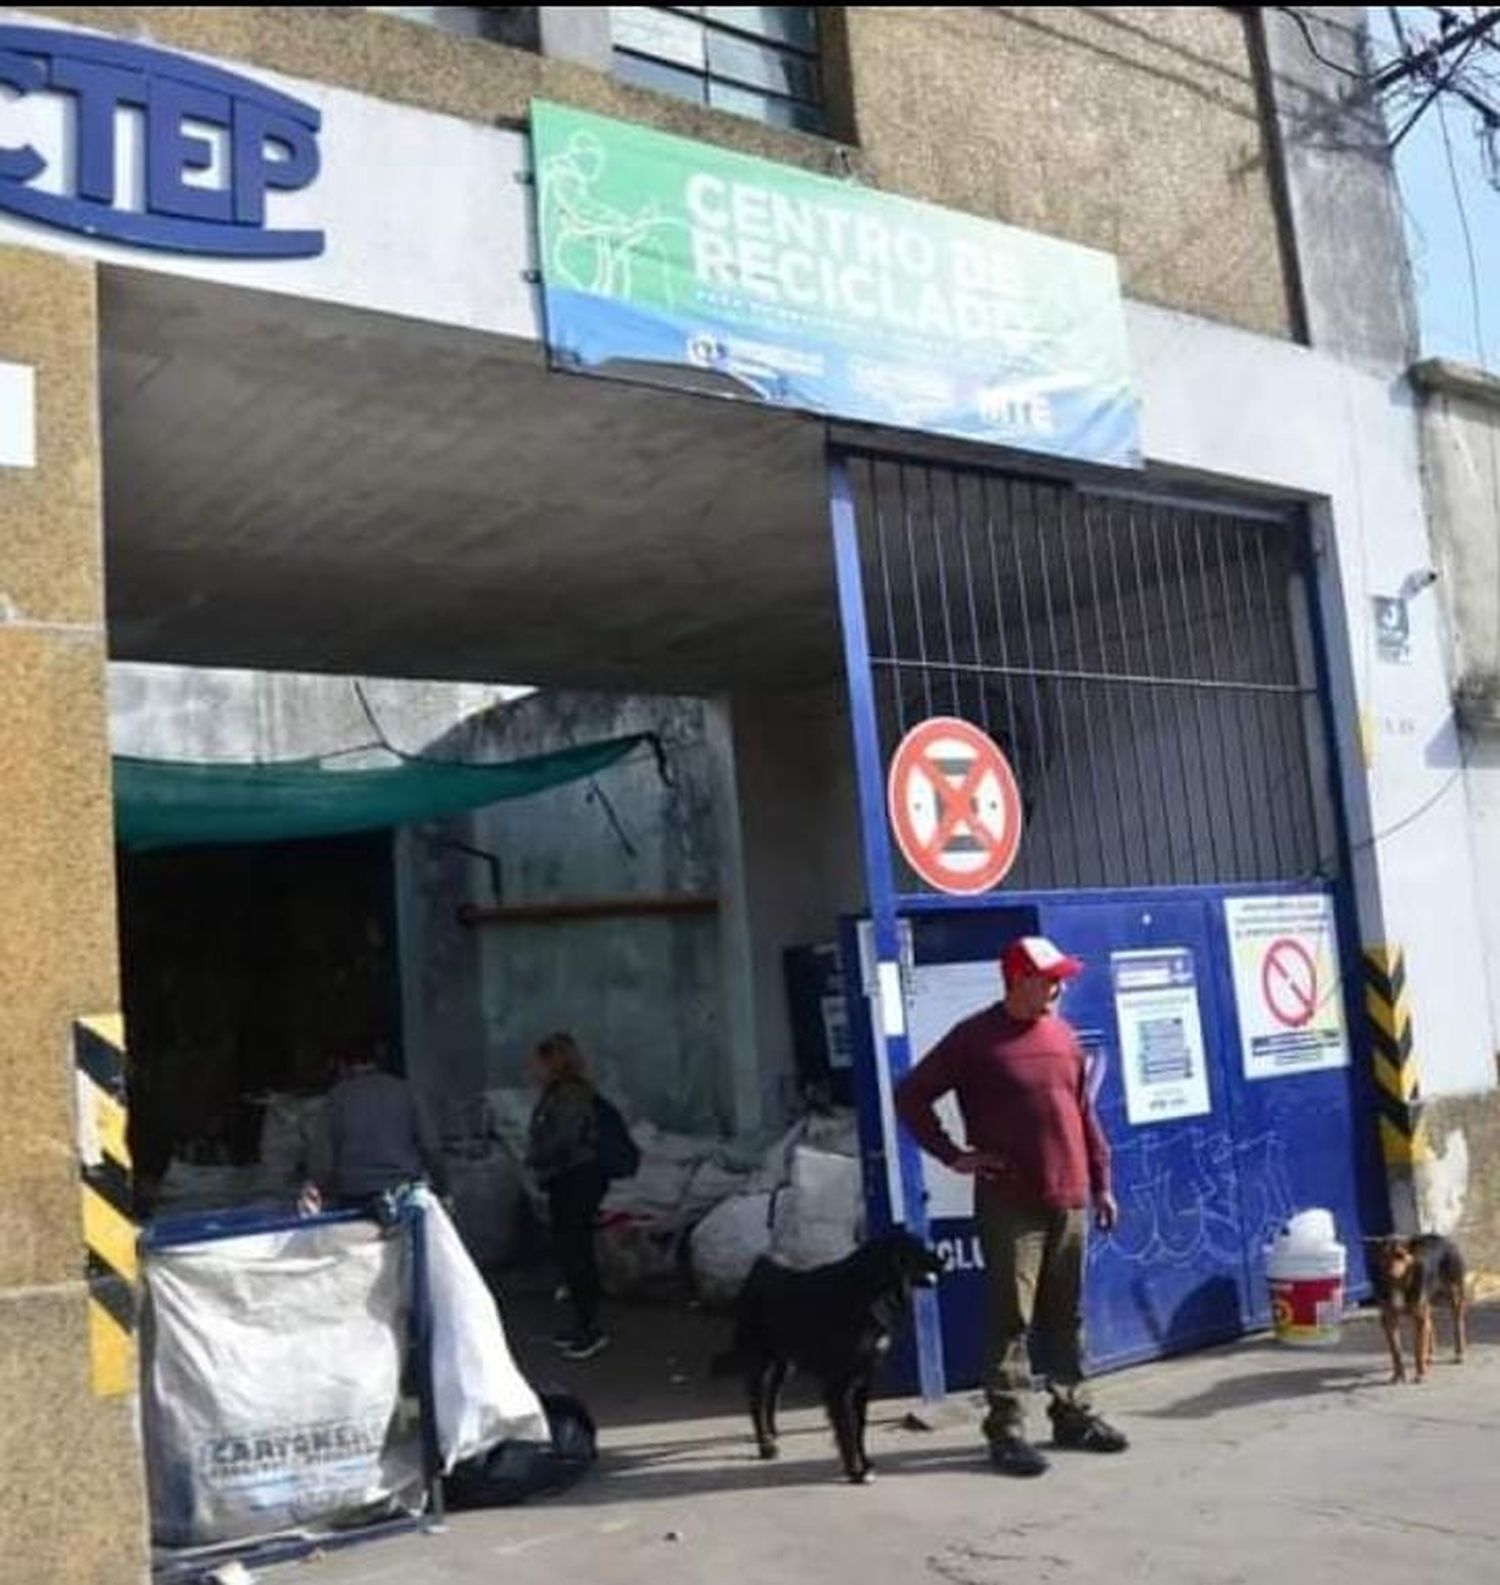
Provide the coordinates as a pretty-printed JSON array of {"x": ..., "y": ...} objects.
[{"x": 271, "y": 1387}]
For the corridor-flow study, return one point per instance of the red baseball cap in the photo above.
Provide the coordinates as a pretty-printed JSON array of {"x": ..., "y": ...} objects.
[{"x": 1037, "y": 955}]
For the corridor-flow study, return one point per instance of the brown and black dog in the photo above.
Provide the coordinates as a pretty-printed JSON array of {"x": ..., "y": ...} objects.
[{"x": 1410, "y": 1274}]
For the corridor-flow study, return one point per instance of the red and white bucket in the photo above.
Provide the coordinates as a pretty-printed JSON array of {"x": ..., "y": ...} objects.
[{"x": 1305, "y": 1268}]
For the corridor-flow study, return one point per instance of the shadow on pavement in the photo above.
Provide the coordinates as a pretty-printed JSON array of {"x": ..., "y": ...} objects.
[
  {"x": 653, "y": 1478},
  {"x": 1268, "y": 1386}
]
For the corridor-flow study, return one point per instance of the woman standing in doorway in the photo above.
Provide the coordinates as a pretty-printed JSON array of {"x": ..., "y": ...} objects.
[{"x": 563, "y": 1154}]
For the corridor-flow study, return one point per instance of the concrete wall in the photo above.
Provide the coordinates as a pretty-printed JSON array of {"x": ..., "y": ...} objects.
[
  {"x": 1134, "y": 129},
  {"x": 1461, "y": 432},
  {"x": 1351, "y": 281},
  {"x": 799, "y": 825},
  {"x": 1461, "y": 429},
  {"x": 1093, "y": 114},
  {"x": 74, "y": 1455},
  {"x": 645, "y": 995},
  {"x": 1459, "y": 1187},
  {"x": 1426, "y": 815},
  {"x": 206, "y": 714}
]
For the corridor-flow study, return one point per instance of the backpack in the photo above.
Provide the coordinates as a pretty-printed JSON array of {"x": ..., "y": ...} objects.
[{"x": 619, "y": 1155}]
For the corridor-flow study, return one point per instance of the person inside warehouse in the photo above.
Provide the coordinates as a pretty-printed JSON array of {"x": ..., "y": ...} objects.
[{"x": 377, "y": 1140}]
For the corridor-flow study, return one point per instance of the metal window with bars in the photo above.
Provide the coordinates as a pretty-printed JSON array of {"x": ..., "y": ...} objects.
[
  {"x": 1145, "y": 664},
  {"x": 756, "y": 61}
]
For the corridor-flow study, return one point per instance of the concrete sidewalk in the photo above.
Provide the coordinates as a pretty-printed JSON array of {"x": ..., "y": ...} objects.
[{"x": 1252, "y": 1464}]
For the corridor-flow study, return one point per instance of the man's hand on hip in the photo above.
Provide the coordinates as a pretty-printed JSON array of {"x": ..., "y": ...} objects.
[
  {"x": 1106, "y": 1212},
  {"x": 979, "y": 1164}
]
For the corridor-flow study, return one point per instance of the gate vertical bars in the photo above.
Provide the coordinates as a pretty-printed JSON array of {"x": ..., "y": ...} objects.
[{"x": 1134, "y": 658}]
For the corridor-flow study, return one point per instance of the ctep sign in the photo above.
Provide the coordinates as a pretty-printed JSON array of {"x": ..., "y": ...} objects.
[{"x": 214, "y": 144}]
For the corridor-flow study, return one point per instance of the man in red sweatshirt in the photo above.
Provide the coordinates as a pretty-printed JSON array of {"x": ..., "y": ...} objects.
[{"x": 1039, "y": 1161}]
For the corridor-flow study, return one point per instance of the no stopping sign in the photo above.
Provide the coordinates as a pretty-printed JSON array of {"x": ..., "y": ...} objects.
[{"x": 954, "y": 805}]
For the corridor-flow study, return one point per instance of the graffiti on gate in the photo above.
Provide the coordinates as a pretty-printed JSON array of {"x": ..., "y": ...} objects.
[{"x": 1195, "y": 1195}]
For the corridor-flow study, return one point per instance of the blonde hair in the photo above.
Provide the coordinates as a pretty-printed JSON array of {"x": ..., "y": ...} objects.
[{"x": 563, "y": 1058}]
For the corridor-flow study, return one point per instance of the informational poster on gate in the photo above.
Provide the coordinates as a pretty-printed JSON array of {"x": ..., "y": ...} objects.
[
  {"x": 1164, "y": 1066},
  {"x": 800, "y": 291},
  {"x": 1288, "y": 991},
  {"x": 939, "y": 995}
]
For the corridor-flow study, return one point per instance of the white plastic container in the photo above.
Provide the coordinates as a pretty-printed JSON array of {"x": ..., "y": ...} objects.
[{"x": 1305, "y": 1267}]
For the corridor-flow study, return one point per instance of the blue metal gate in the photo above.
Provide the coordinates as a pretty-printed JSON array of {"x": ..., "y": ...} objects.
[{"x": 1149, "y": 668}]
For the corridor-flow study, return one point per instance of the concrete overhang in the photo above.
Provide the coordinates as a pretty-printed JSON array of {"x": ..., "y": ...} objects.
[{"x": 291, "y": 485}]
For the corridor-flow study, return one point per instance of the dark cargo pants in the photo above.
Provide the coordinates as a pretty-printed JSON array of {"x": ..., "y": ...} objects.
[{"x": 1033, "y": 1261}]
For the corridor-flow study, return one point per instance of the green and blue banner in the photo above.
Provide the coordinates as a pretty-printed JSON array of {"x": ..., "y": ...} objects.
[{"x": 825, "y": 296}]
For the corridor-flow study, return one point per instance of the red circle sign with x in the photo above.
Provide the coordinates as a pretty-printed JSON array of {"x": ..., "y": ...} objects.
[
  {"x": 955, "y": 807},
  {"x": 1289, "y": 982}
]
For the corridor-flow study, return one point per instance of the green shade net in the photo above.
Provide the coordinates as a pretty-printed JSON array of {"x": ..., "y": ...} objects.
[{"x": 164, "y": 803}]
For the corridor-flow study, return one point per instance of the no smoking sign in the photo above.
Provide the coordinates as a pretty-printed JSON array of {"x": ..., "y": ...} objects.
[
  {"x": 1289, "y": 981},
  {"x": 954, "y": 805},
  {"x": 1283, "y": 947}
]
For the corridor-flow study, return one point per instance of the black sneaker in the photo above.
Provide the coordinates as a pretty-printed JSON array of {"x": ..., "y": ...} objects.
[
  {"x": 1081, "y": 1430},
  {"x": 586, "y": 1347},
  {"x": 1014, "y": 1455}
]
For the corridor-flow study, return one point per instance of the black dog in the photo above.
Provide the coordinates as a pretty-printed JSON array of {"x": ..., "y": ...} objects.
[{"x": 833, "y": 1322}]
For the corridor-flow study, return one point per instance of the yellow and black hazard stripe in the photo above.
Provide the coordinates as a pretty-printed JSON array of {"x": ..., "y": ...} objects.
[
  {"x": 1403, "y": 1138},
  {"x": 108, "y": 1227}
]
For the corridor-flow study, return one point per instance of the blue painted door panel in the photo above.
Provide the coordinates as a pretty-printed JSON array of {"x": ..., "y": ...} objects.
[{"x": 1199, "y": 1196}]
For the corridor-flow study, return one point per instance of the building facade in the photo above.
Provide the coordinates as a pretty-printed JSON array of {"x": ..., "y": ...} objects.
[{"x": 355, "y": 459}]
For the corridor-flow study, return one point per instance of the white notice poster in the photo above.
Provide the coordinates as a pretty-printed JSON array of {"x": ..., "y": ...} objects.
[
  {"x": 1287, "y": 986},
  {"x": 939, "y": 995},
  {"x": 1161, "y": 1035}
]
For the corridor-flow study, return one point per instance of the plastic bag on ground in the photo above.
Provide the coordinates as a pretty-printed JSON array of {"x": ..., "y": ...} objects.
[
  {"x": 657, "y": 1189},
  {"x": 727, "y": 1243},
  {"x": 836, "y": 1133},
  {"x": 818, "y": 1218},
  {"x": 637, "y": 1254},
  {"x": 828, "y": 1186},
  {"x": 712, "y": 1184},
  {"x": 685, "y": 1150},
  {"x": 480, "y": 1396},
  {"x": 512, "y": 1472}
]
